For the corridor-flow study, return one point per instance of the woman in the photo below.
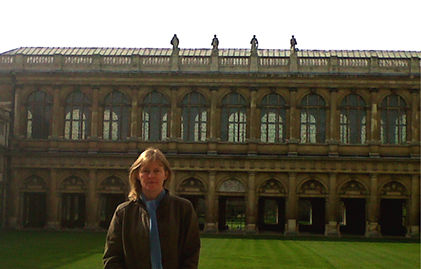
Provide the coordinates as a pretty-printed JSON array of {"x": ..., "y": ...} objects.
[{"x": 153, "y": 229}]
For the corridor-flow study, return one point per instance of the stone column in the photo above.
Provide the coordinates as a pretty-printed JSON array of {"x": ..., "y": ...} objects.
[
  {"x": 374, "y": 127},
  {"x": 254, "y": 123},
  {"x": 213, "y": 127},
  {"x": 332, "y": 229},
  {"x": 19, "y": 120},
  {"x": 172, "y": 146},
  {"x": 415, "y": 124},
  {"x": 251, "y": 203},
  {"x": 211, "y": 226},
  {"x": 53, "y": 199},
  {"x": 14, "y": 201},
  {"x": 292, "y": 205},
  {"x": 92, "y": 202},
  {"x": 294, "y": 126},
  {"x": 414, "y": 220},
  {"x": 93, "y": 139},
  {"x": 134, "y": 127},
  {"x": 373, "y": 208},
  {"x": 56, "y": 116},
  {"x": 172, "y": 187},
  {"x": 334, "y": 130}
]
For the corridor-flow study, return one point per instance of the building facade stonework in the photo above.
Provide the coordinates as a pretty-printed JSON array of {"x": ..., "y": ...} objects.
[{"x": 282, "y": 141}]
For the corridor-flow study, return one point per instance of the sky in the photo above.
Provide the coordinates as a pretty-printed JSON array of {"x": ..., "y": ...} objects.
[{"x": 316, "y": 24}]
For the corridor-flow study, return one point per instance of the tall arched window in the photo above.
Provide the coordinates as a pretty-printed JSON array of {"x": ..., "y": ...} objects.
[
  {"x": 273, "y": 119},
  {"x": 393, "y": 120},
  {"x": 313, "y": 119},
  {"x": 353, "y": 120},
  {"x": 155, "y": 115},
  {"x": 233, "y": 118},
  {"x": 116, "y": 116},
  {"x": 38, "y": 107},
  {"x": 194, "y": 117},
  {"x": 77, "y": 120}
]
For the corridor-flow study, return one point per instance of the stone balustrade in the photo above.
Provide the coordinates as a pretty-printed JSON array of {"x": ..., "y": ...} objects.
[{"x": 238, "y": 62}]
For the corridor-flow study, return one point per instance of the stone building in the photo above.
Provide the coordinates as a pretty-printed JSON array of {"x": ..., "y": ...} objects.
[{"x": 285, "y": 141}]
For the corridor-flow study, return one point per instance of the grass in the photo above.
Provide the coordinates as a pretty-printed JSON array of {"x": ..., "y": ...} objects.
[{"x": 65, "y": 250}]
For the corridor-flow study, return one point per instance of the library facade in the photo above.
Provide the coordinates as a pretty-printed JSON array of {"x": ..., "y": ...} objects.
[{"x": 260, "y": 140}]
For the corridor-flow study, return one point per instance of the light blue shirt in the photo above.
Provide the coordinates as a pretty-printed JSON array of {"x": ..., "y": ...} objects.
[{"x": 155, "y": 245}]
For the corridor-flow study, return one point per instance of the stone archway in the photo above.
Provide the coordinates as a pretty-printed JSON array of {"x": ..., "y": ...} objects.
[
  {"x": 312, "y": 207},
  {"x": 34, "y": 192},
  {"x": 393, "y": 205},
  {"x": 194, "y": 190},
  {"x": 113, "y": 192},
  {"x": 73, "y": 202},
  {"x": 271, "y": 206},
  {"x": 232, "y": 206},
  {"x": 352, "y": 208}
]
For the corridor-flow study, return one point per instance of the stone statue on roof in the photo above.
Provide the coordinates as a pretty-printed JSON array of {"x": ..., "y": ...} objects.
[
  {"x": 175, "y": 42},
  {"x": 254, "y": 44},
  {"x": 215, "y": 43},
  {"x": 293, "y": 43}
]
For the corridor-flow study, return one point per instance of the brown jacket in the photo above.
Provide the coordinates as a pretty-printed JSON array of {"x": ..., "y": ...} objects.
[{"x": 127, "y": 244}]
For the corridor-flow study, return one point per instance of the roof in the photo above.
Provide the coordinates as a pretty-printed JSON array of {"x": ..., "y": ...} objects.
[{"x": 45, "y": 51}]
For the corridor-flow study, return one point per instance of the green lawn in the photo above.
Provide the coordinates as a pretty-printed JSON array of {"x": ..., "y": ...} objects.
[{"x": 37, "y": 249}]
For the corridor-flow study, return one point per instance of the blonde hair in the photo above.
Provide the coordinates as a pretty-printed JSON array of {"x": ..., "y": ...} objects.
[{"x": 146, "y": 157}]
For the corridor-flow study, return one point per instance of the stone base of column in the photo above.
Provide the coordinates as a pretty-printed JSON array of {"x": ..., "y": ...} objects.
[
  {"x": 210, "y": 228},
  {"x": 251, "y": 229},
  {"x": 52, "y": 225},
  {"x": 91, "y": 227},
  {"x": 291, "y": 227},
  {"x": 414, "y": 231},
  {"x": 332, "y": 229},
  {"x": 372, "y": 230},
  {"x": 12, "y": 223}
]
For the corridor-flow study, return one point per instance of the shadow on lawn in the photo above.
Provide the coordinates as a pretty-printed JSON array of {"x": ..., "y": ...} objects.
[{"x": 347, "y": 238}]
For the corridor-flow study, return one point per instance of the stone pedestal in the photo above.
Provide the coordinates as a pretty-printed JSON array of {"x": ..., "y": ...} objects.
[
  {"x": 372, "y": 230},
  {"x": 210, "y": 228},
  {"x": 332, "y": 229},
  {"x": 291, "y": 227}
]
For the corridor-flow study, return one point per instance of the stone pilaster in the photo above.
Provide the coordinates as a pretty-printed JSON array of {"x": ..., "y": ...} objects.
[
  {"x": 372, "y": 228},
  {"x": 53, "y": 201},
  {"x": 213, "y": 120},
  {"x": 374, "y": 142},
  {"x": 414, "y": 217},
  {"x": 92, "y": 202},
  {"x": 251, "y": 203},
  {"x": 292, "y": 204},
  {"x": 293, "y": 124},
  {"x": 332, "y": 228},
  {"x": 211, "y": 226}
]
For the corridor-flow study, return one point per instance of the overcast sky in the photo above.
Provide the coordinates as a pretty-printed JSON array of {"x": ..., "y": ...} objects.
[{"x": 316, "y": 24}]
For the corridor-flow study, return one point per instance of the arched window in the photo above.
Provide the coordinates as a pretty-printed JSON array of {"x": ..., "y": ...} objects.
[
  {"x": 393, "y": 120},
  {"x": 156, "y": 110},
  {"x": 313, "y": 119},
  {"x": 353, "y": 120},
  {"x": 233, "y": 118},
  {"x": 38, "y": 107},
  {"x": 194, "y": 117},
  {"x": 77, "y": 120},
  {"x": 273, "y": 119},
  {"x": 116, "y": 116}
]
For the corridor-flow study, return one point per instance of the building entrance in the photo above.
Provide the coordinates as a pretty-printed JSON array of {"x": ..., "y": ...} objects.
[
  {"x": 271, "y": 216},
  {"x": 353, "y": 216},
  {"x": 232, "y": 213},
  {"x": 73, "y": 210},
  {"x": 311, "y": 215},
  {"x": 393, "y": 217},
  {"x": 109, "y": 203},
  {"x": 199, "y": 205},
  {"x": 34, "y": 210}
]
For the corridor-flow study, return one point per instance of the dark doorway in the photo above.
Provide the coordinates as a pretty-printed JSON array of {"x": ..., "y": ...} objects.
[
  {"x": 311, "y": 215},
  {"x": 353, "y": 216},
  {"x": 232, "y": 213},
  {"x": 73, "y": 210},
  {"x": 199, "y": 205},
  {"x": 109, "y": 203},
  {"x": 34, "y": 210},
  {"x": 271, "y": 215},
  {"x": 392, "y": 217}
]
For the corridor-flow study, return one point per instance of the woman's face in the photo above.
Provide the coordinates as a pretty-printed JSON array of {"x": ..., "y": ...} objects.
[{"x": 152, "y": 176}]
